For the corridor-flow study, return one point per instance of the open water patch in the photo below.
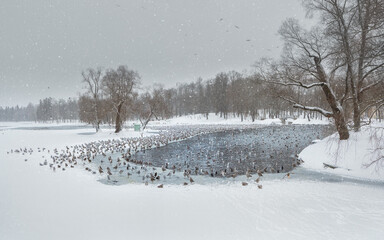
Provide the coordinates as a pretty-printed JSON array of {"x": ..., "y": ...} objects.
[{"x": 224, "y": 154}]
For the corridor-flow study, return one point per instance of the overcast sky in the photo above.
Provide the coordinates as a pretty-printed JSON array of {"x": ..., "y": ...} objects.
[{"x": 45, "y": 44}]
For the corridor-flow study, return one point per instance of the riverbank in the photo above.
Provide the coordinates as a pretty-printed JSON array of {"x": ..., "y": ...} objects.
[{"x": 354, "y": 157}]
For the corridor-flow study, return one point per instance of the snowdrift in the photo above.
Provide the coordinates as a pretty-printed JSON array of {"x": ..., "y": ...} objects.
[{"x": 352, "y": 157}]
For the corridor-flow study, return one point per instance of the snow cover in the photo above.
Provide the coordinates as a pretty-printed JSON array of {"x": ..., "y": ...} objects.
[
  {"x": 198, "y": 119},
  {"x": 37, "y": 203},
  {"x": 350, "y": 156}
]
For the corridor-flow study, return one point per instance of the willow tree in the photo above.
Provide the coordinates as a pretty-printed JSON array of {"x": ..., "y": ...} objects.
[{"x": 119, "y": 86}]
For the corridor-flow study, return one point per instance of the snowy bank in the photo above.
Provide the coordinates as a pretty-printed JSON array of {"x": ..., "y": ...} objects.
[
  {"x": 213, "y": 119},
  {"x": 192, "y": 119},
  {"x": 351, "y": 157}
]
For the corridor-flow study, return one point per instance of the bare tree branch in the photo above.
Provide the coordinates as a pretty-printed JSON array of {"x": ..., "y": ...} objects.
[
  {"x": 308, "y": 108},
  {"x": 297, "y": 83}
]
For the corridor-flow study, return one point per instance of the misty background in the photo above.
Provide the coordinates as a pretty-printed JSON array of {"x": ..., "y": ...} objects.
[{"x": 45, "y": 44}]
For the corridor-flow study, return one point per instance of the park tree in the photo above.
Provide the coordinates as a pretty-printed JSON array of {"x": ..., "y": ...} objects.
[
  {"x": 220, "y": 85},
  {"x": 119, "y": 86},
  {"x": 86, "y": 109},
  {"x": 306, "y": 53},
  {"x": 93, "y": 80},
  {"x": 355, "y": 31},
  {"x": 145, "y": 108},
  {"x": 152, "y": 105},
  {"x": 45, "y": 110}
]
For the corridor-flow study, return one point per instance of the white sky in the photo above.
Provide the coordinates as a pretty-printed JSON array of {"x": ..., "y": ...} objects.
[{"x": 45, "y": 44}]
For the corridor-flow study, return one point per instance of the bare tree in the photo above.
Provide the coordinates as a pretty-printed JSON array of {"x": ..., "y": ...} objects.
[
  {"x": 119, "y": 85},
  {"x": 151, "y": 105},
  {"x": 302, "y": 66},
  {"x": 356, "y": 29},
  {"x": 145, "y": 109},
  {"x": 93, "y": 77},
  {"x": 87, "y": 111},
  {"x": 220, "y": 89}
]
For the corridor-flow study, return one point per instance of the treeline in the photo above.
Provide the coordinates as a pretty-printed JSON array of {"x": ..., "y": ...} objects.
[
  {"x": 48, "y": 110},
  {"x": 334, "y": 69},
  {"x": 228, "y": 94},
  {"x": 12, "y": 114}
]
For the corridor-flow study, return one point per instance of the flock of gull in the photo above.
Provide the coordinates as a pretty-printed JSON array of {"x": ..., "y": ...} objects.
[{"x": 124, "y": 159}]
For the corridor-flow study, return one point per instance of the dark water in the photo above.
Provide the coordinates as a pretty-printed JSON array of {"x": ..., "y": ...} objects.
[
  {"x": 271, "y": 147},
  {"x": 236, "y": 151}
]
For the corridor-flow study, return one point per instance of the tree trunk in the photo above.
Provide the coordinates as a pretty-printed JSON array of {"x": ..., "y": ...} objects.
[
  {"x": 356, "y": 117},
  {"x": 118, "y": 118},
  {"x": 364, "y": 24},
  {"x": 337, "y": 109},
  {"x": 147, "y": 120},
  {"x": 341, "y": 125},
  {"x": 97, "y": 122}
]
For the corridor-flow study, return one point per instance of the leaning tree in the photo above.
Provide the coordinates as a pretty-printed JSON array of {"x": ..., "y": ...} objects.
[
  {"x": 355, "y": 31},
  {"x": 307, "y": 63}
]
